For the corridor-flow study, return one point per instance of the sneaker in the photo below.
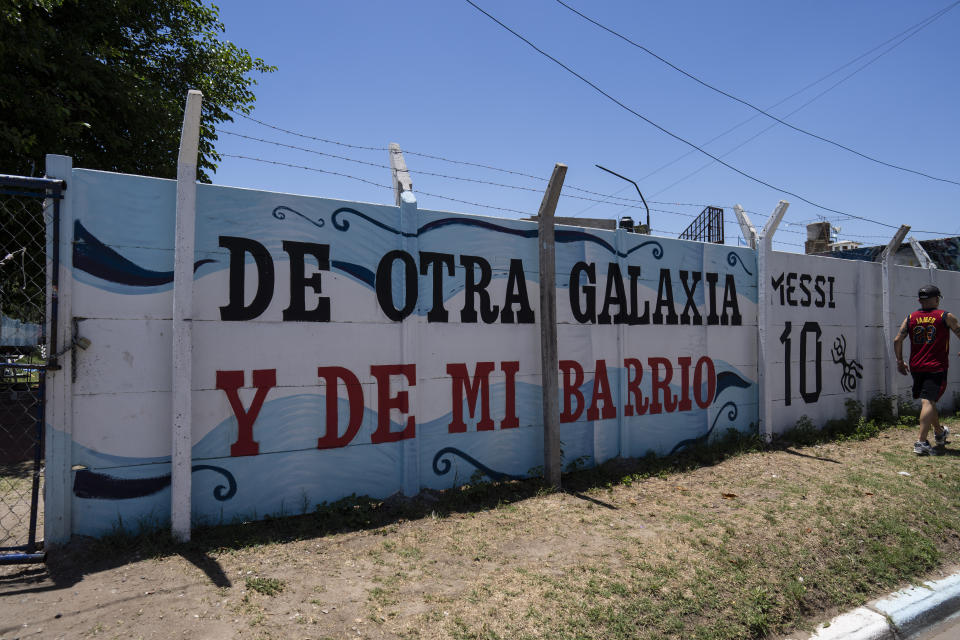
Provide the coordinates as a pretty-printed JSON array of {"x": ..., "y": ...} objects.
[
  {"x": 922, "y": 448},
  {"x": 941, "y": 438}
]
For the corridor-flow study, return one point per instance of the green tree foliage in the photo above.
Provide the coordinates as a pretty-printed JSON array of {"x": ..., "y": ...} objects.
[{"x": 105, "y": 81}]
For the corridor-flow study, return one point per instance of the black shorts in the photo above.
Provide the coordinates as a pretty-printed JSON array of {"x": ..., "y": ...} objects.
[{"x": 929, "y": 385}]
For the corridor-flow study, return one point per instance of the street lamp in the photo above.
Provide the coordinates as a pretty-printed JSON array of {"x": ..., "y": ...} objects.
[{"x": 643, "y": 228}]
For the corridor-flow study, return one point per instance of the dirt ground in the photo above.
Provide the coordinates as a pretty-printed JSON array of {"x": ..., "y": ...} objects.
[{"x": 465, "y": 574}]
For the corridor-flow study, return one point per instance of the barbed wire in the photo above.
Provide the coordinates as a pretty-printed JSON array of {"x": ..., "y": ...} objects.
[
  {"x": 606, "y": 198},
  {"x": 452, "y": 199},
  {"x": 435, "y": 157},
  {"x": 370, "y": 182},
  {"x": 519, "y": 173},
  {"x": 461, "y": 178},
  {"x": 435, "y": 195}
]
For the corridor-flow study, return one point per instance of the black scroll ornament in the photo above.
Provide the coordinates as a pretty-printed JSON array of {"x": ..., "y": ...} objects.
[
  {"x": 442, "y": 465},
  {"x": 92, "y": 485},
  {"x": 851, "y": 369},
  {"x": 280, "y": 213}
]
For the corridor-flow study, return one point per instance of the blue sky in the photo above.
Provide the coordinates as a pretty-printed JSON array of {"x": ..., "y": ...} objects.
[{"x": 440, "y": 78}]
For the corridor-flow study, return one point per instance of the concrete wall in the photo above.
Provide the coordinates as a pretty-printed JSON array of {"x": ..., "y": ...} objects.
[{"x": 344, "y": 347}]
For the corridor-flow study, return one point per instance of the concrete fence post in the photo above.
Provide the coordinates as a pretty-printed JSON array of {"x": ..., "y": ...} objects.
[
  {"x": 889, "y": 360},
  {"x": 409, "y": 327},
  {"x": 182, "y": 352},
  {"x": 549, "y": 359},
  {"x": 764, "y": 249},
  {"x": 746, "y": 227},
  {"x": 58, "y": 481}
]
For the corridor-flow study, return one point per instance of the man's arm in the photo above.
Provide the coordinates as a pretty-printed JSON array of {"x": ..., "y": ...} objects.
[
  {"x": 901, "y": 336},
  {"x": 953, "y": 323}
]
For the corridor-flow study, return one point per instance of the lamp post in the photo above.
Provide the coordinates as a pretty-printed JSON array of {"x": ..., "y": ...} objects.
[{"x": 643, "y": 228}]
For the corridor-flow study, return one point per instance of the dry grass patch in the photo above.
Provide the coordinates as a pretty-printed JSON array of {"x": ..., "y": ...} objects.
[{"x": 714, "y": 546}]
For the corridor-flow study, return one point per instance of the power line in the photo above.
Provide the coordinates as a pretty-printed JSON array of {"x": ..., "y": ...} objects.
[
  {"x": 805, "y": 104},
  {"x": 758, "y": 109},
  {"x": 912, "y": 31},
  {"x": 668, "y": 132},
  {"x": 918, "y": 26}
]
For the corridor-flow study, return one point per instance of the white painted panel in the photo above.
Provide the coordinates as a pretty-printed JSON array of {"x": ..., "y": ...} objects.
[
  {"x": 442, "y": 344},
  {"x": 843, "y": 274},
  {"x": 827, "y": 408},
  {"x": 146, "y": 303},
  {"x": 576, "y": 342},
  {"x": 123, "y": 424},
  {"x": 123, "y": 356},
  {"x": 736, "y": 345},
  {"x": 295, "y": 350}
]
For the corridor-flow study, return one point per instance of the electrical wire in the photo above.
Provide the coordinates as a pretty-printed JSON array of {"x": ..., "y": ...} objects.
[
  {"x": 802, "y": 106},
  {"x": 909, "y": 32},
  {"x": 756, "y": 108},
  {"x": 668, "y": 132},
  {"x": 808, "y": 86}
]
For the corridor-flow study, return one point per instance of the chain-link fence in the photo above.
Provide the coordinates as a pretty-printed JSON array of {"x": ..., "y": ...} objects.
[{"x": 23, "y": 357}]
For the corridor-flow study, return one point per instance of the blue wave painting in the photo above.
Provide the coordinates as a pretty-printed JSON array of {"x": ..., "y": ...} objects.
[
  {"x": 92, "y": 256},
  {"x": 287, "y": 430}
]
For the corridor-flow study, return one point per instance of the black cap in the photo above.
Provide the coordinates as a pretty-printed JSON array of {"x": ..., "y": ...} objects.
[{"x": 928, "y": 291}]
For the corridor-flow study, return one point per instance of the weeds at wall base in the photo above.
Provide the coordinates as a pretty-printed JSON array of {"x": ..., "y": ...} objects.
[
  {"x": 151, "y": 538},
  {"x": 854, "y": 425}
]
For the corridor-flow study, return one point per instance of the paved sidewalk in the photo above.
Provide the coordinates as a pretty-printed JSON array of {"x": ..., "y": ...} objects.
[
  {"x": 900, "y": 615},
  {"x": 949, "y": 629}
]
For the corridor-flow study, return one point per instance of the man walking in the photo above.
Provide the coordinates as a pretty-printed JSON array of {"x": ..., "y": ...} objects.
[{"x": 929, "y": 351}]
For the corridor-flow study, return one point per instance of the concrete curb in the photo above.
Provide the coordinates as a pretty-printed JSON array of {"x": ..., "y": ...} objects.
[{"x": 898, "y": 616}]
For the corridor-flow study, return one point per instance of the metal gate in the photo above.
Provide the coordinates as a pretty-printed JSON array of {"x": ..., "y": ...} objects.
[{"x": 27, "y": 205}]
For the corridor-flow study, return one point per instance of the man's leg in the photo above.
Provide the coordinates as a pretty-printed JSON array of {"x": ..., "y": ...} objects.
[
  {"x": 928, "y": 417},
  {"x": 941, "y": 432}
]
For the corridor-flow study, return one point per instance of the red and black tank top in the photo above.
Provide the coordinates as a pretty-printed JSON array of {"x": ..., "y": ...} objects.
[{"x": 929, "y": 340}]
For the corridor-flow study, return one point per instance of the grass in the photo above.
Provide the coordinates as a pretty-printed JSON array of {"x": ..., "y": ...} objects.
[
  {"x": 266, "y": 586},
  {"x": 16, "y": 478},
  {"x": 739, "y": 539},
  {"x": 16, "y": 377}
]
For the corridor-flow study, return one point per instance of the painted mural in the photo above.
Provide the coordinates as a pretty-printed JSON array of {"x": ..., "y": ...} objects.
[
  {"x": 345, "y": 348},
  {"x": 826, "y": 337},
  {"x": 348, "y": 348}
]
